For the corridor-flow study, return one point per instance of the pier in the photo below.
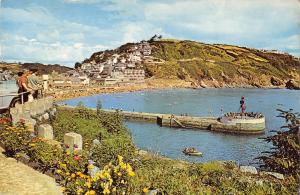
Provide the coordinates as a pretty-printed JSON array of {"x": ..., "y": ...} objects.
[{"x": 242, "y": 125}]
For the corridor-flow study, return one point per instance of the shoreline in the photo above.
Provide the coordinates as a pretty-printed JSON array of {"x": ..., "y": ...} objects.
[{"x": 158, "y": 84}]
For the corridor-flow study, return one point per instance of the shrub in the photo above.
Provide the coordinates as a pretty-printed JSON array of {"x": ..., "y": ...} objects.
[
  {"x": 15, "y": 139},
  {"x": 113, "y": 178},
  {"x": 284, "y": 157},
  {"x": 45, "y": 155}
]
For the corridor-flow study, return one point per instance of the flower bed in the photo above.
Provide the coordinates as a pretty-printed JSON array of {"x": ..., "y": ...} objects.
[{"x": 71, "y": 169}]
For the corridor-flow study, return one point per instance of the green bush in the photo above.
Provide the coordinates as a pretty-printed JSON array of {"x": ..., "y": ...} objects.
[{"x": 284, "y": 158}]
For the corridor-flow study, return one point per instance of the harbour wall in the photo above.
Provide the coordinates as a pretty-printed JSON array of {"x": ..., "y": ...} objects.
[{"x": 239, "y": 126}]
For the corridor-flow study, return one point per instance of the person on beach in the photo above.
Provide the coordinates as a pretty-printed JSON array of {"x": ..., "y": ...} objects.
[{"x": 243, "y": 105}]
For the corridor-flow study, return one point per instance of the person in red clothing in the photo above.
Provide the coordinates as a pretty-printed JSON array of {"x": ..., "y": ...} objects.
[
  {"x": 23, "y": 86},
  {"x": 243, "y": 104}
]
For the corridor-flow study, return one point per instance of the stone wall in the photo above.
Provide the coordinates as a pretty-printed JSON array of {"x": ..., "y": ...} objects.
[
  {"x": 37, "y": 116},
  {"x": 33, "y": 113}
]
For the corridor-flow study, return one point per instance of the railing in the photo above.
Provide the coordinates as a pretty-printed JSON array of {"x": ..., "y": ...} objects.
[{"x": 6, "y": 105}]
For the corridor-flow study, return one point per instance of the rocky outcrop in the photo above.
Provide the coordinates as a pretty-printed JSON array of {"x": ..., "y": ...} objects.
[
  {"x": 292, "y": 84},
  {"x": 276, "y": 81}
]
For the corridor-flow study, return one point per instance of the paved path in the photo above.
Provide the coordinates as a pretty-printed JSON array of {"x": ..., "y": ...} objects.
[{"x": 17, "y": 178}]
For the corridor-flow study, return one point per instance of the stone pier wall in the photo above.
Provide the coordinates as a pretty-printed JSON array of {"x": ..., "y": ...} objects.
[{"x": 242, "y": 126}]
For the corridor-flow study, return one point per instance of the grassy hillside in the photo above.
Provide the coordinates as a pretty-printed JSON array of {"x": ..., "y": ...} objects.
[
  {"x": 42, "y": 68},
  {"x": 220, "y": 65}
]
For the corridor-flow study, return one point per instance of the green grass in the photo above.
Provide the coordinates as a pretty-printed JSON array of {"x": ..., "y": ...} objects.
[{"x": 199, "y": 61}]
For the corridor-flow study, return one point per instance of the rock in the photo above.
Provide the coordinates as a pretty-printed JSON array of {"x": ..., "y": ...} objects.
[
  {"x": 40, "y": 118},
  {"x": 292, "y": 84},
  {"x": 73, "y": 141},
  {"x": 202, "y": 84},
  {"x": 276, "y": 175},
  {"x": 248, "y": 169},
  {"x": 92, "y": 171},
  {"x": 153, "y": 192},
  {"x": 46, "y": 116},
  {"x": 52, "y": 113},
  {"x": 95, "y": 142},
  {"x": 276, "y": 81},
  {"x": 45, "y": 131}
]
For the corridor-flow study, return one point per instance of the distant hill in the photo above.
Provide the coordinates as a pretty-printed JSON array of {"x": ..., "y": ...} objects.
[
  {"x": 42, "y": 68},
  {"x": 215, "y": 65}
]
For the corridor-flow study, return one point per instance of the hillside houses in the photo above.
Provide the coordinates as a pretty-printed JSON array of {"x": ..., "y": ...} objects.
[{"x": 119, "y": 66}]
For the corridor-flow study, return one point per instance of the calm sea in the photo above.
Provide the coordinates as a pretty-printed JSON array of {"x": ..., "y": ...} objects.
[{"x": 199, "y": 102}]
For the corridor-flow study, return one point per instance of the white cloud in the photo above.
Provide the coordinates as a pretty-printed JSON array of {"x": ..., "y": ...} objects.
[
  {"x": 41, "y": 36},
  {"x": 225, "y": 17}
]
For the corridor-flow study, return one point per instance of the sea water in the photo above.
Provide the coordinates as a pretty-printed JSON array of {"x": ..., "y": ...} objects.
[{"x": 200, "y": 102}]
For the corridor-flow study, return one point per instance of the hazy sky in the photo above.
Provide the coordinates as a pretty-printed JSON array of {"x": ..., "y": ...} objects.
[{"x": 66, "y": 31}]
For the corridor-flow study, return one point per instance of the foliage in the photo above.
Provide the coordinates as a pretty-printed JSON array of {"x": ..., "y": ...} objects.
[
  {"x": 174, "y": 177},
  {"x": 99, "y": 106},
  {"x": 284, "y": 157},
  {"x": 70, "y": 168},
  {"x": 45, "y": 155},
  {"x": 80, "y": 104},
  {"x": 113, "y": 178},
  {"x": 106, "y": 127},
  {"x": 15, "y": 138}
]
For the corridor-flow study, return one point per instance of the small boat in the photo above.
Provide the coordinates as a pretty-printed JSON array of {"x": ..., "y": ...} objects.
[{"x": 192, "y": 152}]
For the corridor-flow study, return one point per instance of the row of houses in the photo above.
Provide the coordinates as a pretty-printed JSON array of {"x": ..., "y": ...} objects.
[{"x": 118, "y": 68}]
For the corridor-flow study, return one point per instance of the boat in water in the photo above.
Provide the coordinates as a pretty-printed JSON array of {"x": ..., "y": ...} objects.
[{"x": 192, "y": 152}]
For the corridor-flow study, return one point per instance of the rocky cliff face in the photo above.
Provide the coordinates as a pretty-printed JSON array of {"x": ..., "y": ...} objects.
[{"x": 213, "y": 65}]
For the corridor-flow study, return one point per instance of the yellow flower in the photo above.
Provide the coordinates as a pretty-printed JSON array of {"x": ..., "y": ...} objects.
[
  {"x": 73, "y": 175},
  {"x": 106, "y": 191},
  {"x": 67, "y": 174},
  {"x": 79, "y": 191},
  {"x": 78, "y": 173},
  {"x": 91, "y": 166},
  {"x": 63, "y": 189},
  {"x": 131, "y": 173},
  {"x": 58, "y": 171},
  {"x": 120, "y": 158},
  {"x": 122, "y": 165},
  {"x": 119, "y": 174},
  {"x": 92, "y": 192},
  {"x": 88, "y": 184},
  {"x": 145, "y": 190},
  {"x": 32, "y": 145},
  {"x": 63, "y": 165}
]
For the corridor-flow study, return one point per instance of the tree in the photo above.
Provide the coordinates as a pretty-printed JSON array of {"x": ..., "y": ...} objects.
[
  {"x": 77, "y": 65},
  {"x": 99, "y": 106},
  {"x": 80, "y": 104}
]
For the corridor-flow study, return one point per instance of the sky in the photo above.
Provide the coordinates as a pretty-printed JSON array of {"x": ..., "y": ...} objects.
[{"x": 68, "y": 31}]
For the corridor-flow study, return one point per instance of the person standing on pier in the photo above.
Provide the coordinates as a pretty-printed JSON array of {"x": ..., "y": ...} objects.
[{"x": 243, "y": 105}]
